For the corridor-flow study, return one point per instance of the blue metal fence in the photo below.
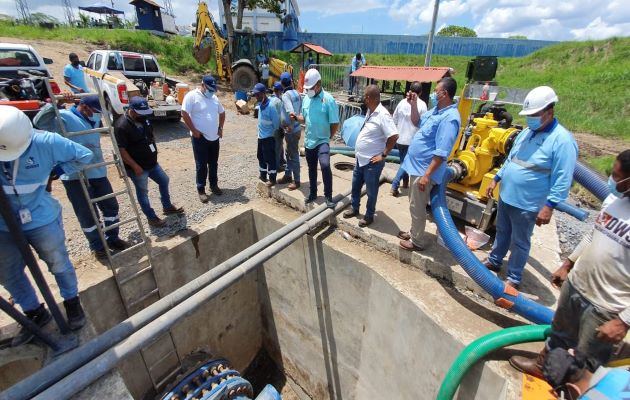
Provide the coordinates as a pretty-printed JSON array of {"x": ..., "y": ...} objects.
[{"x": 401, "y": 44}]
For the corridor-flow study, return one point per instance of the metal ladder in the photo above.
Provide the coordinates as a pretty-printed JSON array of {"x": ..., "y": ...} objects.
[{"x": 137, "y": 284}]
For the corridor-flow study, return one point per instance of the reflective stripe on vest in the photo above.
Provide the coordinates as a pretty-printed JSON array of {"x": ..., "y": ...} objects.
[{"x": 530, "y": 166}]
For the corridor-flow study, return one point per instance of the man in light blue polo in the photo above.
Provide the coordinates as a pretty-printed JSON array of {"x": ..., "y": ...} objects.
[
  {"x": 321, "y": 118},
  {"x": 536, "y": 176},
  {"x": 426, "y": 159},
  {"x": 87, "y": 115},
  {"x": 73, "y": 75}
]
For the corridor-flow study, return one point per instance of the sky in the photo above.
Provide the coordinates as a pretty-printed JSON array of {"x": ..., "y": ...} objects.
[{"x": 535, "y": 19}]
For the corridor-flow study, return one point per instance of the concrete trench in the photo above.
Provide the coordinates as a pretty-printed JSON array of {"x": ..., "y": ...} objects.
[{"x": 339, "y": 320}]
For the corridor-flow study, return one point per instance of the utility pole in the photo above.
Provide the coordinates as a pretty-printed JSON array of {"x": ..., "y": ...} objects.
[
  {"x": 68, "y": 12},
  {"x": 427, "y": 57},
  {"x": 24, "y": 13}
]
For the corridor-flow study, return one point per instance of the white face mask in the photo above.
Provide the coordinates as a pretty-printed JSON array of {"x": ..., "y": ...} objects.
[{"x": 310, "y": 93}]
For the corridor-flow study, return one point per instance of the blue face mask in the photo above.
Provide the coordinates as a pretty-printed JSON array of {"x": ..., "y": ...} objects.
[
  {"x": 534, "y": 123},
  {"x": 612, "y": 186},
  {"x": 433, "y": 98},
  {"x": 96, "y": 118},
  {"x": 208, "y": 92}
]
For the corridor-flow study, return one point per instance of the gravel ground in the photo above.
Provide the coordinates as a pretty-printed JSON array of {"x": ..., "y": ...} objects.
[
  {"x": 571, "y": 230},
  {"x": 237, "y": 177}
]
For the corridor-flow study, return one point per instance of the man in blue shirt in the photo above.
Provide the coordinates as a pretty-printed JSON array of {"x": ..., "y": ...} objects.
[
  {"x": 268, "y": 123},
  {"x": 73, "y": 75},
  {"x": 291, "y": 104},
  {"x": 357, "y": 62},
  {"x": 426, "y": 159},
  {"x": 87, "y": 115},
  {"x": 536, "y": 176},
  {"x": 276, "y": 99},
  {"x": 321, "y": 118},
  {"x": 27, "y": 156}
]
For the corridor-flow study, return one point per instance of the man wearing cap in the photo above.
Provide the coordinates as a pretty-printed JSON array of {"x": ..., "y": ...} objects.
[
  {"x": 204, "y": 115},
  {"x": 276, "y": 101},
  {"x": 268, "y": 123},
  {"x": 134, "y": 134},
  {"x": 27, "y": 156},
  {"x": 291, "y": 104},
  {"x": 535, "y": 177},
  {"x": 357, "y": 62},
  {"x": 73, "y": 75},
  {"x": 87, "y": 115},
  {"x": 321, "y": 118}
]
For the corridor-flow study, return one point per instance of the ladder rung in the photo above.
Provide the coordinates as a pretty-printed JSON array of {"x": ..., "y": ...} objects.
[
  {"x": 119, "y": 223},
  {"x": 135, "y": 275},
  {"x": 101, "y": 164},
  {"x": 107, "y": 196},
  {"x": 129, "y": 249},
  {"x": 161, "y": 359},
  {"x": 143, "y": 298},
  {"x": 167, "y": 377},
  {"x": 88, "y": 131},
  {"x": 75, "y": 95}
]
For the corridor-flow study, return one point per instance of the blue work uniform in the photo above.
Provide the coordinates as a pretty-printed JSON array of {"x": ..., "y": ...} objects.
[
  {"x": 268, "y": 124},
  {"x": 24, "y": 181},
  {"x": 278, "y": 133},
  {"x": 76, "y": 77},
  {"x": 436, "y": 137},
  {"x": 292, "y": 103},
  {"x": 608, "y": 383}
]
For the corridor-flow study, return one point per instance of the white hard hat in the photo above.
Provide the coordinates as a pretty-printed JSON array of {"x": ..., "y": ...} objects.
[
  {"x": 538, "y": 99},
  {"x": 15, "y": 133},
  {"x": 170, "y": 100},
  {"x": 311, "y": 78}
]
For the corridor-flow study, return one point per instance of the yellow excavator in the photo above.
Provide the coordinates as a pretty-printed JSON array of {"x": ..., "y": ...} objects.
[{"x": 241, "y": 67}]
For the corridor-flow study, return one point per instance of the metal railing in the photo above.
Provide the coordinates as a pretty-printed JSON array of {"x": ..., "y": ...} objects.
[{"x": 336, "y": 79}]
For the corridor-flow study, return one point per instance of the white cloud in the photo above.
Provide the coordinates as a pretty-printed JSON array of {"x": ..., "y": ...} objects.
[
  {"x": 599, "y": 29},
  {"x": 335, "y": 7}
]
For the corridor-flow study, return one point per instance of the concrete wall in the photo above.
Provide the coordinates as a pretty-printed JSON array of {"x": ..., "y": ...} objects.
[{"x": 342, "y": 331}]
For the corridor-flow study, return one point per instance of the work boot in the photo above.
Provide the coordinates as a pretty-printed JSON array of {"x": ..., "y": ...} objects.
[
  {"x": 156, "y": 222},
  {"x": 203, "y": 197},
  {"x": 365, "y": 222},
  {"x": 404, "y": 235},
  {"x": 40, "y": 316},
  {"x": 270, "y": 183},
  {"x": 491, "y": 266},
  {"x": 74, "y": 312},
  {"x": 263, "y": 178},
  {"x": 350, "y": 213},
  {"x": 530, "y": 366},
  {"x": 394, "y": 193},
  {"x": 311, "y": 198},
  {"x": 516, "y": 286},
  {"x": 100, "y": 255},
  {"x": 330, "y": 203},
  {"x": 173, "y": 210},
  {"x": 118, "y": 244},
  {"x": 216, "y": 191},
  {"x": 293, "y": 186},
  {"x": 409, "y": 245},
  {"x": 285, "y": 179}
]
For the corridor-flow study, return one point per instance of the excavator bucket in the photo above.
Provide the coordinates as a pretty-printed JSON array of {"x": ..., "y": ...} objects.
[{"x": 202, "y": 54}]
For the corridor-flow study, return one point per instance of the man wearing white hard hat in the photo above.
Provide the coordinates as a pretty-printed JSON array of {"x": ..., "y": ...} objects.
[
  {"x": 321, "y": 118},
  {"x": 27, "y": 157},
  {"x": 535, "y": 177}
]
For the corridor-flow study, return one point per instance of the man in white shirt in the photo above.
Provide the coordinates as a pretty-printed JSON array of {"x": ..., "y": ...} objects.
[
  {"x": 376, "y": 139},
  {"x": 204, "y": 115},
  {"x": 407, "y": 119},
  {"x": 593, "y": 310}
]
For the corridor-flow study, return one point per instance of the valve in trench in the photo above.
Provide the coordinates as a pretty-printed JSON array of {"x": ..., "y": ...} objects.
[{"x": 217, "y": 380}]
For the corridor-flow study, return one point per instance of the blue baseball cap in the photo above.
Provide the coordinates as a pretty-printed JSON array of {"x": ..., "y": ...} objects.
[
  {"x": 209, "y": 82},
  {"x": 92, "y": 102},
  {"x": 259, "y": 88},
  {"x": 277, "y": 86},
  {"x": 285, "y": 78},
  {"x": 140, "y": 105}
]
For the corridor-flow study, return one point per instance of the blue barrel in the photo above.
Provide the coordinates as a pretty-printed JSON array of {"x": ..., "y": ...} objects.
[{"x": 240, "y": 95}]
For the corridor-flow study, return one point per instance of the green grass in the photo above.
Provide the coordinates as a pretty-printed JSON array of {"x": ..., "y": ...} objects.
[{"x": 602, "y": 164}]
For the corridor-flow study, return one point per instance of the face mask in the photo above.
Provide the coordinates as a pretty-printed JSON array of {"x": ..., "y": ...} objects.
[
  {"x": 612, "y": 186},
  {"x": 96, "y": 118},
  {"x": 534, "y": 123},
  {"x": 434, "y": 99},
  {"x": 310, "y": 93}
]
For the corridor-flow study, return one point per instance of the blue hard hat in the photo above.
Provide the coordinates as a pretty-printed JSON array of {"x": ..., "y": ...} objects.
[
  {"x": 210, "y": 82},
  {"x": 285, "y": 78},
  {"x": 277, "y": 86},
  {"x": 259, "y": 88}
]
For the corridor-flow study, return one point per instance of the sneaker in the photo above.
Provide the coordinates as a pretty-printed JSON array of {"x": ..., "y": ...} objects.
[
  {"x": 203, "y": 197},
  {"x": 310, "y": 199},
  {"x": 394, "y": 193},
  {"x": 284, "y": 180},
  {"x": 118, "y": 244},
  {"x": 74, "y": 312},
  {"x": 330, "y": 203},
  {"x": 173, "y": 210},
  {"x": 365, "y": 222},
  {"x": 293, "y": 185},
  {"x": 40, "y": 316},
  {"x": 215, "y": 190},
  {"x": 350, "y": 213},
  {"x": 156, "y": 222}
]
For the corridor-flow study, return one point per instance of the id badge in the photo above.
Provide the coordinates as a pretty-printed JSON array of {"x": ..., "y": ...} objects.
[
  {"x": 152, "y": 147},
  {"x": 25, "y": 216}
]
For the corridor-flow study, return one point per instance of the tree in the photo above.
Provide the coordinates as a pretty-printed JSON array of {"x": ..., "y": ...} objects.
[
  {"x": 455, "y": 30},
  {"x": 39, "y": 18},
  {"x": 84, "y": 20},
  {"x": 522, "y": 37}
]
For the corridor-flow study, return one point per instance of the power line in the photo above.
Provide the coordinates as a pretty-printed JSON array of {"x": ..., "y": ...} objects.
[
  {"x": 68, "y": 11},
  {"x": 24, "y": 13},
  {"x": 168, "y": 6}
]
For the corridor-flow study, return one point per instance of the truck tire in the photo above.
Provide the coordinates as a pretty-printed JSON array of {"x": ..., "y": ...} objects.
[
  {"x": 244, "y": 78},
  {"x": 113, "y": 115}
]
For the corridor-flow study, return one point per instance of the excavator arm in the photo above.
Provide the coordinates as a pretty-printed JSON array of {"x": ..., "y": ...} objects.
[{"x": 202, "y": 49}]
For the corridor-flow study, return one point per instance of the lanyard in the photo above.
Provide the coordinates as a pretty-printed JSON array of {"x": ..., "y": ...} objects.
[{"x": 12, "y": 178}]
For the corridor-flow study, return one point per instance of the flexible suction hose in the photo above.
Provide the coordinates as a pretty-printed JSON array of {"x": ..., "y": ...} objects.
[
  {"x": 572, "y": 210},
  {"x": 483, "y": 346},
  {"x": 503, "y": 296},
  {"x": 591, "y": 181}
]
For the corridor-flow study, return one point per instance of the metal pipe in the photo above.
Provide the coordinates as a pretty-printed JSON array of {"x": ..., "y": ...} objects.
[
  {"x": 27, "y": 323},
  {"x": 96, "y": 368},
  {"x": 61, "y": 367},
  {"x": 427, "y": 57},
  {"x": 7, "y": 212}
]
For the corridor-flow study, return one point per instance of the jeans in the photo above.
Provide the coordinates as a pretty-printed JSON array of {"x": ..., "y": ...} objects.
[
  {"x": 574, "y": 325},
  {"x": 49, "y": 241},
  {"x": 293, "y": 154},
  {"x": 206, "y": 154},
  {"x": 320, "y": 153},
  {"x": 278, "y": 135},
  {"x": 97, "y": 187},
  {"x": 514, "y": 231},
  {"x": 141, "y": 183},
  {"x": 370, "y": 175},
  {"x": 351, "y": 82},
  {"x": 267, "y": 158},
  {"x": 418, "y": 201},
  {"x": 401, "y": 174}
]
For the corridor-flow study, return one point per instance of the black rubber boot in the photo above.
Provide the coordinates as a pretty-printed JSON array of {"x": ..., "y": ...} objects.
[
  {"x": 40, "y": 316},
  {"x": 74, "y": 312}
]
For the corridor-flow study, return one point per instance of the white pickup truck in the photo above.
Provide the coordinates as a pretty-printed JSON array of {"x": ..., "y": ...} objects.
[{"x": 111, "y": 67}]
